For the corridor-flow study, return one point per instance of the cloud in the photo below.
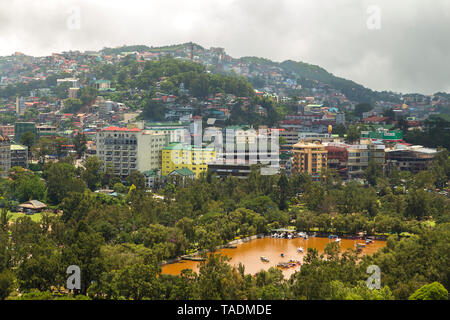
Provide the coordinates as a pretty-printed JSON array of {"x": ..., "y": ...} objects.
[{"x": 409, "y": 53}]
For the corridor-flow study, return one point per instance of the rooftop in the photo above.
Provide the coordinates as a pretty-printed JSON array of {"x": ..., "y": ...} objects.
[
  {"x": 17, "y": 147},
  {"x": 122, "y": 129},
  {"x": 180, "y": 146},
  {"x": 183, "y": 172}
]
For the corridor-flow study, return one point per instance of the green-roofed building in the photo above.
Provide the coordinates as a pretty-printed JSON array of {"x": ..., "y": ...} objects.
[
  {"x": 184, "y": 172},
  {"x": 103, "y": 85},
  {"x": 383, "y": 134},
  {"x": 21, "y": 127},
  {"x": 152, "y": 177}
]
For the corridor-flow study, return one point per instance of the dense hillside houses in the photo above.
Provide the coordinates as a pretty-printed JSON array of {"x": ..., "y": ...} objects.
[{"x": 187, "y": 97}]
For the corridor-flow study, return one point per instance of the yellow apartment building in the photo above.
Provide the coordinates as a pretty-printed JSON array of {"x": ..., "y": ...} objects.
[
  {"x": 178, "y": 156},
  {"x": 309, "y": 157}
]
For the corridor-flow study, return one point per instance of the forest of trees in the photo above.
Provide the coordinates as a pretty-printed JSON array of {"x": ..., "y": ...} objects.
[
  {"x": 436, "y": 133},
  {"x": 120, "y": 242}
]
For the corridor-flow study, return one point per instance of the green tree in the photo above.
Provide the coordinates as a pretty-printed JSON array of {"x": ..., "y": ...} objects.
[
  {"x": 373, "y": 172},
  {"x": 353, "y": 134},
  {"x": 72, "y": 105},
  {"x": 28, "y": 139},
  {"x": 79, "y": 142},
  {"x": 139, "y": 281},
  {"x": 283, "y": 185},
  {"x": 26, "y": 185},
  {"x": 359, "y": 292},
  {"x": 432, "y": 291},
  {"x": 61, "y": 179},
  {"x": 362, "y": 108},
  {"x": 43, "y": 269},
  {"x": 92, "y": 174},
  {"x": 153, "y": 110},
  {"x": 137, "y": 178},
  {"x": 83, "y": 249},
  {"x": 6, "y": 284}
]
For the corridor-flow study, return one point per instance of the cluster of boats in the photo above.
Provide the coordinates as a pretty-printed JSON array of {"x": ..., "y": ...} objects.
[
  {"x": 359, "y": 246},
  {"x": 335, "y": 238},
  {"x": 294, "y": 263},
  {"x": 291, "y": 264},
  {"x": 289, "y": 235}
]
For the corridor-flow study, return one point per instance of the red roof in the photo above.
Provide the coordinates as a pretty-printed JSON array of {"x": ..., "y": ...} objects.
[{"x": 122, "y": 129}]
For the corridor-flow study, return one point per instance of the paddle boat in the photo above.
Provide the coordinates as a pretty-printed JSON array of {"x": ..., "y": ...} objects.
[
  {"x": 294, "y": 263},
  {"x": 264, "y": 259},
  {"x": 283, "y": 265},
  {"x": 359, "y": 246}
]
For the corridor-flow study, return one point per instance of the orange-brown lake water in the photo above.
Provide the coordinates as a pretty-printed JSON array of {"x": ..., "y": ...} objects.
[{"x": 249, "y": 253}]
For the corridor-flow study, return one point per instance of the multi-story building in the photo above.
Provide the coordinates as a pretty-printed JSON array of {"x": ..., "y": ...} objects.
[
  {"x": 7, "y": 131},
  {"x": 126, "y": 149},
  {"x": 20, "y": 105},
  {"x": 249, "y": 147},
  {"x": 175, "y": 135},
  {"x": 309, "y": 157},
  {"x": 178, "y": 156},
  {"x": 383, "y": 134},
  {"x": 409, "y": 158},
  {"x": 19, "y": 156},
  {"x": 5, "y": 156},
  {"x": 352, "y": 160},
  {"x": 290, "y": 138},
  {"x": 337, "y": 158},
  {"x": 359, "y": 157},
  {"x": 225, "y": 169},
  {"x": 21, "y": 127},
  {"x": 74, "y": 83},
  {"x": 73, "y": 92},
  {"x": 176, "y": 131},
  {"x": 46, "y": 130}
]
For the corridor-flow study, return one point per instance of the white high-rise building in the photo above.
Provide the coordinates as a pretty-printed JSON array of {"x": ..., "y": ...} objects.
[
  {"x": 126, "y": 149},
  {"x": 5, "y": 156},
  {"x": 20, "y": 105}
]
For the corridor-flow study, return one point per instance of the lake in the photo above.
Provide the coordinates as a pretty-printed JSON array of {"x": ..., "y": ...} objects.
[{"x": 249, "y": 253}]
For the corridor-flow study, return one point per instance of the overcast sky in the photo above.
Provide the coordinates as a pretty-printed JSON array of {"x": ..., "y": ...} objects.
[{"x": 406, "y": 50}]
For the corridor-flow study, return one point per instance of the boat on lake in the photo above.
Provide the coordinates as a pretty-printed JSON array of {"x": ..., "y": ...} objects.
[
  {"x": 283, "y": 265},
  {"x": 300, "y": 249},
  {"x": 264, "y": 259}
]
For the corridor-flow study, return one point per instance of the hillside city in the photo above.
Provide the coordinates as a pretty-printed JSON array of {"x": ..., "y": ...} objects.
[{"x": 126, "y": 159}]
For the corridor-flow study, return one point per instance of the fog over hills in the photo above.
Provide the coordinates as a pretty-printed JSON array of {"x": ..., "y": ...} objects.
[{"x": 406, "y": 50}]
